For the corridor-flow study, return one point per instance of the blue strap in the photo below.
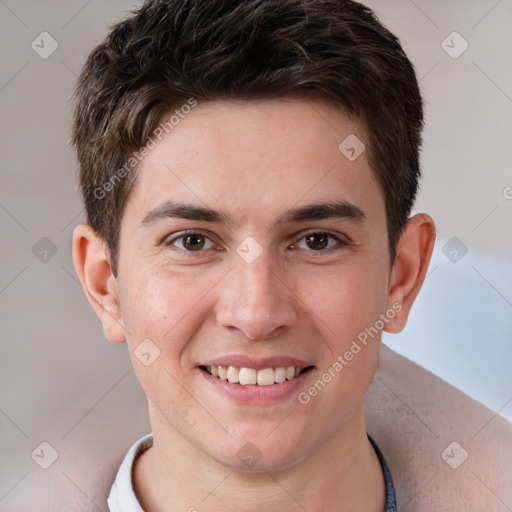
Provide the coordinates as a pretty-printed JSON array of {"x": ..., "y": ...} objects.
[{"x": 390, "y": 489}]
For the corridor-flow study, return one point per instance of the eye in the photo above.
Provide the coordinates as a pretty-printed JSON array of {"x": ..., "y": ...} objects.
[
  {"x": 319, "y": 241},
  {"x": 190, "y": 241}
]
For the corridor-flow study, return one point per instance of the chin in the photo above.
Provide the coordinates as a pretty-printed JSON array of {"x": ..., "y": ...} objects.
[
  {"x": 262, "y": 452},
  {"x": 254, "y": 462}
]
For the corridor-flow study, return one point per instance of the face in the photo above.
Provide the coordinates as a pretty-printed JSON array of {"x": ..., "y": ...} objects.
[{"x": 255, "y": 278}]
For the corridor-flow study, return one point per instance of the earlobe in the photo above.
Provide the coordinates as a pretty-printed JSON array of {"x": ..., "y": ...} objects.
[
  {"x": 91, "y": 261},
  {"x": 409, "y": 270}
]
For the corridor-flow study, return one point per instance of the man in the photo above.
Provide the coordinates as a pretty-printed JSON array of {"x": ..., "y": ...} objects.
[{"x": 248, "y": 170}]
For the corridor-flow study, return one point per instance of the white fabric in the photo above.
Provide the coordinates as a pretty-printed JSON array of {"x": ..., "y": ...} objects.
[{"x": 122, "y": 497}]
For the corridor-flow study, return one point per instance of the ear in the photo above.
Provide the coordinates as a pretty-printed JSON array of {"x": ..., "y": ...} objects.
[
  {"x": 410, "y": 267},
  {"x": 92, "y": 264}
]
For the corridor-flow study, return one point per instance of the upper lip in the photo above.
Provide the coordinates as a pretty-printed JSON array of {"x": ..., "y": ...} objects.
[{"x": 243, "y": 361}]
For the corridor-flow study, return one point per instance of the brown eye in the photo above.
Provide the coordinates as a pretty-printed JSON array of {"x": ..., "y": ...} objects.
[
  {"x": 319, "y": 241},
  {"x": 191, "y": 242}
]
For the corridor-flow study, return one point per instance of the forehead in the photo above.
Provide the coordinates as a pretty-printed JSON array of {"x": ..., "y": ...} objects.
[{"x": 258, "y": 158}]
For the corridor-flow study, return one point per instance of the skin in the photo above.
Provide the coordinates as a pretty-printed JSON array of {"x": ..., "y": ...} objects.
[{"x": 254, "y": 161}]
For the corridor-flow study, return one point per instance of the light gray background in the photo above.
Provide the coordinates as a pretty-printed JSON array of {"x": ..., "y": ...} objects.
[{"x": 56, "y": 366}]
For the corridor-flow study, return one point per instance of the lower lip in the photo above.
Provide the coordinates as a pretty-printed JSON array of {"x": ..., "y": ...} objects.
[{"x": 254, "y": 394}]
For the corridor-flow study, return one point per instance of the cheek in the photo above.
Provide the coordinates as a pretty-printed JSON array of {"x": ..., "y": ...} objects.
[
  {"x": 346, "y": 305},
  {"x": 345, "y": 301},
  {"x": 166, "y": 307}
]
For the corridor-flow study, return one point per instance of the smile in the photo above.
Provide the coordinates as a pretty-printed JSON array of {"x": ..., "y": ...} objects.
[{"x": 251, "y": 376}]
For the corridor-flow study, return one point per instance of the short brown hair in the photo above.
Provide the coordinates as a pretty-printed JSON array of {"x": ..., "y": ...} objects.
[{"x": 172, "y": 50}]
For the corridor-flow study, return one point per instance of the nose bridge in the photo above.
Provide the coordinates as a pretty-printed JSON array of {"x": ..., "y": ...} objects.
[
  {"x": 257, "y": 275},
  {"x": 254, "y": 300},
  {"x": 255, "y": 286}
]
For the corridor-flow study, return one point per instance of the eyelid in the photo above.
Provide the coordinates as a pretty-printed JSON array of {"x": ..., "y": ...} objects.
[{"x": 325, "y": 232}]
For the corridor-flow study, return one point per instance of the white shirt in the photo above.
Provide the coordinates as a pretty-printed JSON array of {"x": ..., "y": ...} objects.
[{"x": 122, "y": 497}]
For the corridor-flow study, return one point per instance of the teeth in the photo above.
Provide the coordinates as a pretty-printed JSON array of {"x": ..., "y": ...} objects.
[
  {"x": 233, "y": 373},
  {"x": 265, "y": 377},
  {"x": 247, "y": 376},
  {"x": 250, "y": 376},
  {"x": 280, "y": 374},
  {"x": 223, "y": 372}
]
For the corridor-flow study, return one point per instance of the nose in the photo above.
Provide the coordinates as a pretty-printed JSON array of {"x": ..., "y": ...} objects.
[{"x": 255, "y": 300}]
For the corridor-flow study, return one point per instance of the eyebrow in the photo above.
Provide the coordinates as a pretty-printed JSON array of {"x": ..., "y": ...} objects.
[{"x": 317, "y": 211}]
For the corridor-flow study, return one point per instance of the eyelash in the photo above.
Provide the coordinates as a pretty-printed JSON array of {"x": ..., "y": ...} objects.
[{"x": 184, "y": 234}]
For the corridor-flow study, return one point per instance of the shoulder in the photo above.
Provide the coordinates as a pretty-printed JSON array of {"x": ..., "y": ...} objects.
[{"x": 445, "y": 450}]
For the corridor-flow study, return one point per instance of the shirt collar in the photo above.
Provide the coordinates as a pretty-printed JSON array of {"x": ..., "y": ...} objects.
[{"x": 122, "y": 496}]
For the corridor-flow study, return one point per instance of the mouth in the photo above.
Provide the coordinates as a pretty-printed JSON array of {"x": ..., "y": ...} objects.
[{"x": 245, "y": 376}]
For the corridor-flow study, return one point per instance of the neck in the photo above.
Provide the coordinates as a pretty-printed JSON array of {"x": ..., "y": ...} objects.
[{"x": 342, "y": 474}]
